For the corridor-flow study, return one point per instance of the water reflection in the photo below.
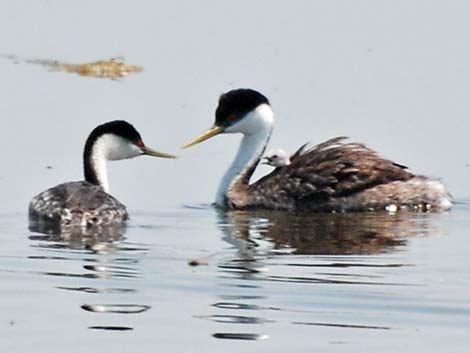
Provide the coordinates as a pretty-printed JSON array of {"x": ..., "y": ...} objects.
[
  {"x": 105, "y": 256},
  {"x": 299, "y": 249},
  {"x": 324, "y": 234},
  {"x": 96, "y": 239}
]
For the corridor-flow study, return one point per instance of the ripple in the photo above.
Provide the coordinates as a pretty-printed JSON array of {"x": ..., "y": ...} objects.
[
  {"x": 71, "y": 275},
  {"x": 116, "y": 308},
  {"x": 111, "y": 328},
  {"x": 240, "y": 269},
  {"x": 342, "y": 325},
  {"x": 235, "y": 319},
  {"x": 42, "y": 257},
  {"x": 116, "y": 271},
  {"x": 98, "y": 290},
  {"x": 345, "y": 264},
  {"x": 241, "y": 297},
  {"x": 201, "y": 206},
  {"x": 293, "y": 279},
  {"x": 241, "y": 336},
  {"x": 239, "y": 306}
]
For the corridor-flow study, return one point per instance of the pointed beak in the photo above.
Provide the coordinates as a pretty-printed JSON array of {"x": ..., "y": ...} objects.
[
  {"x": 215, "y": 130},
  {"x": 149, "y": 152}
]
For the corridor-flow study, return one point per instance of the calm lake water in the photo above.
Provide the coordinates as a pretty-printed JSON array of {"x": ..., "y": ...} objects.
[
  {"x": 393, "y": 75},
  {"x": 266, "y": 281}
]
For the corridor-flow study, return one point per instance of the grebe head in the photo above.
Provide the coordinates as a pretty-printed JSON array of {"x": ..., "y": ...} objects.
[
  {"x": 117, "y": 140},
  {"x": 112, "y": 141},
  {"x": 243, "y": 111},
  {"x": 276, "y": 158}
]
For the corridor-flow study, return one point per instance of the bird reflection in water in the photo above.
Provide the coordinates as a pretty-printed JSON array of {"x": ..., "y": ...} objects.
[
  {"x": 106, "y": 256},
  {"x": 326, "y": 233},
  {"x": 303, "y": 249},
  {"x": 96, "y": 239}
]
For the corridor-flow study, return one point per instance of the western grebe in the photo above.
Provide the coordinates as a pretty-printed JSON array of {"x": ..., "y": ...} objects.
[
  {"x": 276, "y": 158},
  {"x": 87, "y": 203},
  {"x": 336, "y": 175}
]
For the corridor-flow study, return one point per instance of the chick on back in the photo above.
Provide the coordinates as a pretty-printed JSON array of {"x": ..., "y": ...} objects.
[{"x": 276, "y": 158}]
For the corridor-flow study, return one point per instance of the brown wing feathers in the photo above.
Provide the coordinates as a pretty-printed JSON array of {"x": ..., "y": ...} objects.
[{"x": 333, "y": 168}]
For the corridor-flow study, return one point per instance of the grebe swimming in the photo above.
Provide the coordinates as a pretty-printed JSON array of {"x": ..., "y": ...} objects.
[
  {"x": 335, "y": 175},
  {"x": 87, "y": 203}
]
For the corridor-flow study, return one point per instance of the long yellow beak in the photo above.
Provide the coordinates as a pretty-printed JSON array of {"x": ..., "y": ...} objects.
[
  {"x": 149, "y": 152},
  {"x": 215, "y": 130}
]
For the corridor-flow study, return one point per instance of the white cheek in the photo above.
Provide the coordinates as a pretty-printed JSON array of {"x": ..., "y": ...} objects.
[
  {"x": 261, "y": 117},
  {"x": 239, "y": 127},
  {"x": 113, "y": 148},
  {"x": 127, "y": 151}
]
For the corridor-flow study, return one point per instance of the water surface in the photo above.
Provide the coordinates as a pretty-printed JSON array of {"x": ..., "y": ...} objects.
[{"x": 327, "y": 282}]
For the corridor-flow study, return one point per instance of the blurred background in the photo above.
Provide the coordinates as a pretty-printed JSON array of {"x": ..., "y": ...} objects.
[{"x": 392, "y": 74}]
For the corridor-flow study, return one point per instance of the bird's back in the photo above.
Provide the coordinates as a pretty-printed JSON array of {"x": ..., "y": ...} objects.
[
  {"x": 344, "y": 176},
  {"x": 76, "y": 204}
]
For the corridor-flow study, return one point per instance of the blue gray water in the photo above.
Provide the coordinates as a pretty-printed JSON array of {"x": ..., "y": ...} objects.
[
  {"x": 264, "y": 281},
  {"x": 391, "y": 74}
]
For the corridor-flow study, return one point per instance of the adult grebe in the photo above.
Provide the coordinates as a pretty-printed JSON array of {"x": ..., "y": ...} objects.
[
  {"x": 333, "y": 176},
  {"x": 87, "y": 203},
  {"x": 276, "y": 158}
]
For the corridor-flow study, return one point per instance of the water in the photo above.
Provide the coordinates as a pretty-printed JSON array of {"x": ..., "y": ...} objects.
[
  {"x": 339, "y": 282},
  {"x": 188, "y": 278}
]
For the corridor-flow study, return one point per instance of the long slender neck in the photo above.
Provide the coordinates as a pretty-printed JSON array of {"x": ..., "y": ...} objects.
[
  {"x": 234, "y": 184},
  {"x": 94, "y": 163}
]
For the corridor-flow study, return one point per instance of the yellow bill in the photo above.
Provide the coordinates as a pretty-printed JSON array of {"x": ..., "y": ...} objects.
[
  {"x": 149, "y": 152},
  {"x": 215, "y": 130}
]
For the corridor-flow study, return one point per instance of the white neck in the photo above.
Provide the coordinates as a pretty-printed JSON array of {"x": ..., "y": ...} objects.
[
  {"x": 256, "y": 127},
  {"x": 110, "y": 147},
  {"x": 98, "y": 162}
]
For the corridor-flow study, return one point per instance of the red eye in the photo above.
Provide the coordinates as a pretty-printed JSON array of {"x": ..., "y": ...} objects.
[
  {"x": 140, "y": 143},
  {"x": 231, "y": 117}
]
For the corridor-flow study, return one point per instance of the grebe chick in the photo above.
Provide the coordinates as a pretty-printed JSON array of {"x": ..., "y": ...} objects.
[
  {"x": 336, "y": 175},
  {"x": 87, "y": 203},
  {"x": 276, "y": 158}
]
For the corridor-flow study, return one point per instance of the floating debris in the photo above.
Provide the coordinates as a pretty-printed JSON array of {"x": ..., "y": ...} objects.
[{"x": 112, "y": 68}]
